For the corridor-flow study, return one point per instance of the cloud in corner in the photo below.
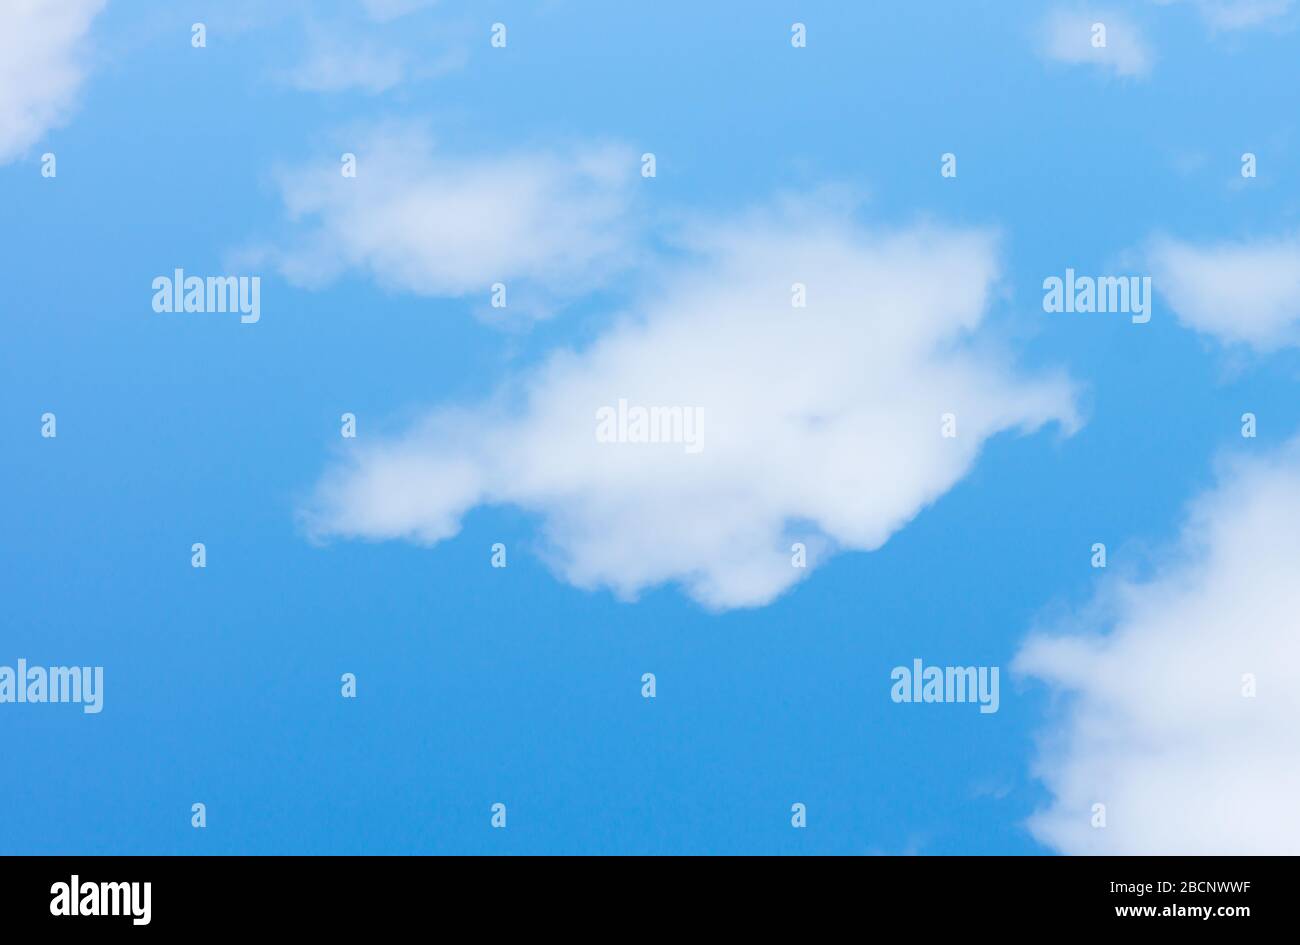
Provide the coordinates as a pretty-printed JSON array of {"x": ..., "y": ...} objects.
[
  {"x": 1180, "y": 720},
  {"x": 41, "y": 67}
]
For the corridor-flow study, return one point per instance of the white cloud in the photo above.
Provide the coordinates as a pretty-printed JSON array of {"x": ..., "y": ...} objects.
[
  {"x": 548, "y": 225},
  {"x": 1069, "y": 38},
  {"x": 1157, "y": 728},
  {"x": 41, "y": 67},
  {"x": 1247, "y": 292},
  {"x": 820, "y": 424}
]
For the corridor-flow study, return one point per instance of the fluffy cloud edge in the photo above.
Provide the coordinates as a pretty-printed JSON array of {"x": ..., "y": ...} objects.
[
  {"x": 1178, "y": 694},
  {"x": 41, "y": 74},
  {"x": 1238, "y": 292}
]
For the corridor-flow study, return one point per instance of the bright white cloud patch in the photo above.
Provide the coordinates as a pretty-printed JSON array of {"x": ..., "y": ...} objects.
[
  {"x": 547, "y": 225},
  {"x": 1238, "y": 292},
  {"x": 42, "y": 66},
  {"x": 819, "y": 425},
  {"x": 1076, "y": 38},
  {"x": 1157, "y": 726}
]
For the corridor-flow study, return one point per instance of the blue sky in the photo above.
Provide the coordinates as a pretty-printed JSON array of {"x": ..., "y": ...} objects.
[{"x": 522, "y": 685}]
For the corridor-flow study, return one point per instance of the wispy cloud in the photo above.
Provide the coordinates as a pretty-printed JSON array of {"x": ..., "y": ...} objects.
[
  {"x": 364, "y": 47},
  {"x": 385, "y": 10},
  {"x": 1241, "y": 14},
  {"x": 336, "y": 65}
]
